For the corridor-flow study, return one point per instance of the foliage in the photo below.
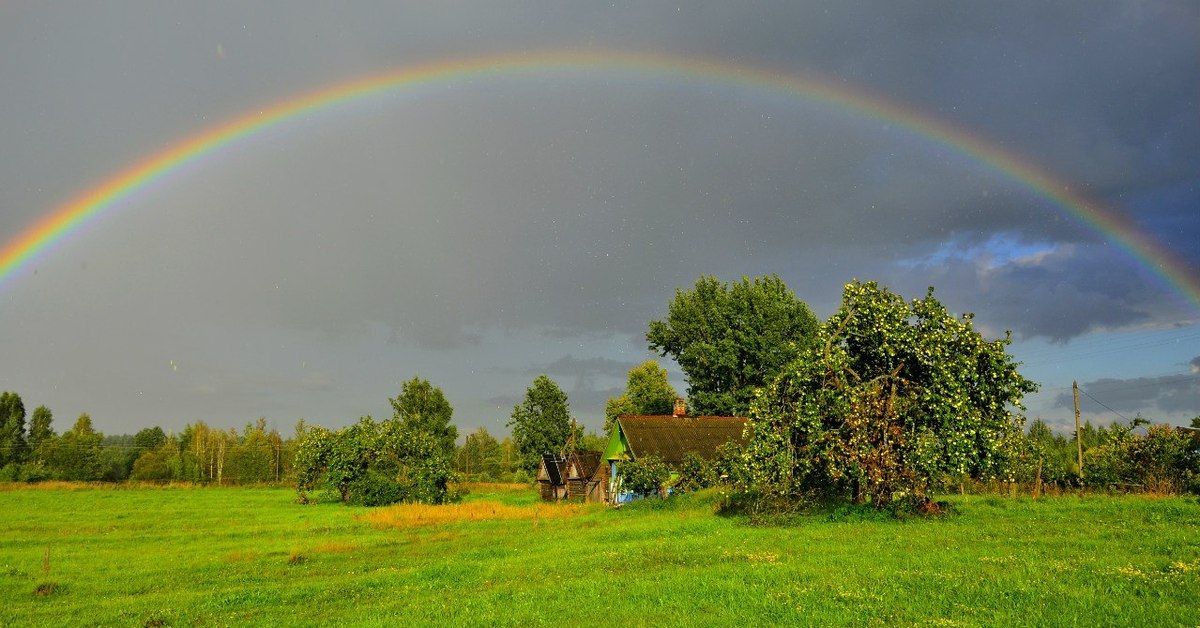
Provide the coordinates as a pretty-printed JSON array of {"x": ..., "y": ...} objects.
[
  {"x": 154, "y": 465},
  {"x": 1058, "y": 455},
  {"x": 40, "y": 429},
  {"x": 422, "y": 407},
  {"x": 891, "y": 396},
  {"x": 592, "y": 441},
  {"x": 372, "y": 464},
  {"x": 1164, "y": 461},
  {"x": 13, "y": 447},
  {"x": 150, "y": 438},
  {"x": 541, "y": 423},
  {"x": 480, "y": 456},
  {"x": 647, "y": 392},
  {"x": 695, "y": 473},
  {"x": 645, "y": 476},
  {"x": 617, "y": 407},
  {"x": 76, "y": 454},
  {"x": 731, "y": 339}
]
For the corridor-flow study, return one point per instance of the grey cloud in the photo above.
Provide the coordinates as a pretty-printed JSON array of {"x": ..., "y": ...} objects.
[
  {"x": 422, "y": 231},
  {"x": 1148, "y": 396},
  {"x": 1058, "y": 294}
]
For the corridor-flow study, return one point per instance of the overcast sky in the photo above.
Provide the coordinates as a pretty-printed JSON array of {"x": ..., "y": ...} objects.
[{"x": 484, "y": 231}]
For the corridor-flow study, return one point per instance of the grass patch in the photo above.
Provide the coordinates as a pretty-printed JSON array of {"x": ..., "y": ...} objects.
[{"x": 252, "y": 556}]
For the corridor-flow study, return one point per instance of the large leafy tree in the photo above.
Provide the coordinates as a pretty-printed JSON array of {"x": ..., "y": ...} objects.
[
  {"x": 541, "y": 423},
  {"x": 731, "y": 339},
  {"x": 421, "y": 407},
  {"x": 891, "y": 395},
  {"x": 12, "y": 428},
  {"x": 647, "y": 392},
  {"x": 374, "y": 463}
]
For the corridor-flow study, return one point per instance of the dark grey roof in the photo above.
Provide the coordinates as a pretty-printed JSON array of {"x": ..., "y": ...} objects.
[{"x": 671, "y": 437}]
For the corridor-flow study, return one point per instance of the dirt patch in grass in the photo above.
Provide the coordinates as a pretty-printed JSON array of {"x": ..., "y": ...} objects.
[
  {"x": 241, "y": 556},
  {"x": 334, "y": 547},
  {"x": 46, "y": 589},
  {"x": 415, "y": 515}
]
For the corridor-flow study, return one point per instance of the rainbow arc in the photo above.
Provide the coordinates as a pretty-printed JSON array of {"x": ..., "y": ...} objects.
[{"x": 69, "y": 218}]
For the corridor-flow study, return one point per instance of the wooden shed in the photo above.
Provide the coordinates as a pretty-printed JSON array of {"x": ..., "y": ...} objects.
[
  {"x": 551, "y": 477},
  {"x": 581, "y": 471},
  {"x": 580, "y": 475}
]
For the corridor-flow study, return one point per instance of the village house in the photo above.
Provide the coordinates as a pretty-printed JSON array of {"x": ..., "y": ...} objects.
[{"x": 670, "y": 438}]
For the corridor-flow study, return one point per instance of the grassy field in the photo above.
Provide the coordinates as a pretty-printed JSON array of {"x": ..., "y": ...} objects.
[{"x": 178, "y": 556}]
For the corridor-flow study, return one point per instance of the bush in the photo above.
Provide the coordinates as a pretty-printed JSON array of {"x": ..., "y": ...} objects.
[
  {"x": 1165, "y": 460},
  {"x": 645, "y": 476},
  {"x": 371, "y": 463},
  {"x": 376, "y": 489},
  {"x": 695, "y": 473}
]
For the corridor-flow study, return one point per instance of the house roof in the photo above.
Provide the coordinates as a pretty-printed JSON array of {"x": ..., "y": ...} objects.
[
  {"x": 586, "y": 462},
  {"x": 554, "y": 469},
  {"x": 671, "y": 437}
]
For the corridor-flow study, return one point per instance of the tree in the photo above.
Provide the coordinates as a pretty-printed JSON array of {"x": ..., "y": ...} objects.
[
  {"x": 253, "y": 456},
  {"x": 731, "y": 339},
  {"x": 647, "y": 392},
  {"x": 12, "y": 429},
  {"x": 373, "y": 464},
  {"x": 592, "y": 441},
  {"x": 76, "y": 455},
  {"x": 149, "y": 438},
  {"x": 40, "y": 429},
  {"x": 480, "y": 455},
  {"x": 892, "y": 395},
  {"x": 541, "y": 424},
  {"x": 422, "y": 407},
  {"x": 154, "y": 465}
]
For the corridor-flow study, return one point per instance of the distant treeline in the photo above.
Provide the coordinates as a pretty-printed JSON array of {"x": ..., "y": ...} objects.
[{"x": 32, "y": 451}]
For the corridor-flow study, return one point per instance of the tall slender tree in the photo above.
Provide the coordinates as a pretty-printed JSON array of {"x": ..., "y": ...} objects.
[
  {"x": 12, "y": 429},
  {"x": 541, "y": 423},
  {"x": 40, "y": 429}
]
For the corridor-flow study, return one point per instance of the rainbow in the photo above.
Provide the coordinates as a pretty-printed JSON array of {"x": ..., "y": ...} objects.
[{"x": 72, "y": 216}]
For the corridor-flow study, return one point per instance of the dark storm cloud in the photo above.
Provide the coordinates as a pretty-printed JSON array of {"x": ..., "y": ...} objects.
[
  {"x": 1058, "y": 293},
  {"x": 1149, "y": 396},
  {"x": 583, "y": 369},
  {"x": 476, "y": 229}
]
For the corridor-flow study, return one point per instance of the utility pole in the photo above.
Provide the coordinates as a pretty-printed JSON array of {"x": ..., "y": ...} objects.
[{"x": 1078, "y": 431}]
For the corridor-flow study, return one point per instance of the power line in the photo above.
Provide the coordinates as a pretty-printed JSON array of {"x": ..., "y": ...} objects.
[{"x": 1089, "y": 396}]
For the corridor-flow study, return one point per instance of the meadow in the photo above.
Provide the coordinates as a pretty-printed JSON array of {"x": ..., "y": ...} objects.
[{"x": 235, "y": 556}]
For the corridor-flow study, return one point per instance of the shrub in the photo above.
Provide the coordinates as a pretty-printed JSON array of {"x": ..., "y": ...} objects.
[
  {"x": 1164, "y": 460},
  {"x": 695, "y": 473},
  {"x": 373, "y": 463},
  {"x": 645, "y": 476},
  {"x": 375, "y": 489}
]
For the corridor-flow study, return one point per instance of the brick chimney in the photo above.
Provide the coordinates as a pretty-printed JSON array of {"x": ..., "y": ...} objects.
[{"x": 680, "y": 408}]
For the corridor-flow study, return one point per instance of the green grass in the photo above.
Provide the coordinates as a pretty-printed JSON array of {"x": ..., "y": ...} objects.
[{"x": 235, "y": 556}]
